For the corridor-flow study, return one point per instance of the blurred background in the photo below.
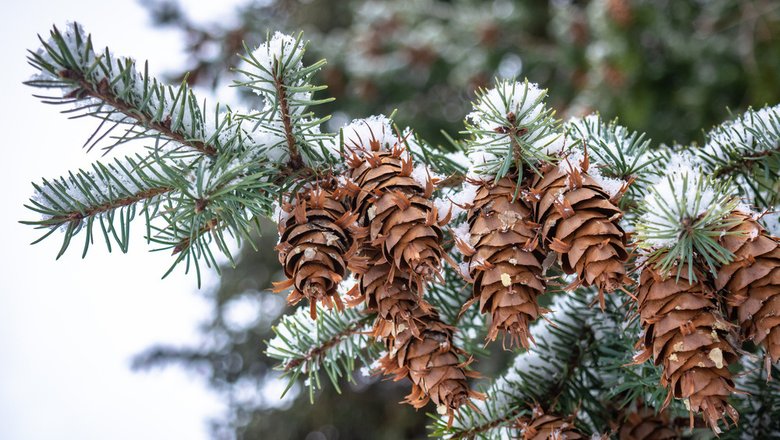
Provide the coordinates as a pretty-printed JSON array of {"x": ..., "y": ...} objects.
[{"x": 669, "y": 68}]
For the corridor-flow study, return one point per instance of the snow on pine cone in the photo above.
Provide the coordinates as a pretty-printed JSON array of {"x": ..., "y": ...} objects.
[
  {"x": 541, "y": 426},
  {"x": 581, "y": 224},
  {"x": 685, "y": 332},
  {"x": 316, "y": 240},
  {"x": 401, "y": 219},
  {"x": 504, "y": 261},
  {"x": 645, "y": 424},
  {"x": 752, "y": 282}
]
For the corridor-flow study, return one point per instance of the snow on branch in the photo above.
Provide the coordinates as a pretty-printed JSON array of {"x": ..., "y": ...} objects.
[
  {"x": 276, "y": 72},
  {"x": 131, "y": 105},
  {"x": 737, "y": 145},
  {"x": 333, "y": 343},
  {"x": 617, "y": 155},
  {"x": 510, "y": 124},
  {"x": 110, "y": 195},
  {"x": 682, "y": 217}
]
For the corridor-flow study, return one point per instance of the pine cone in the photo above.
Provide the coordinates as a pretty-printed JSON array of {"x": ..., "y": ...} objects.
[
  {"x": 504, "y": 261},
  {"x": 685, "y": 332},
  {"x": 752, "y": 282},
  {"x": 542, "y": 426},
  {"x": 315, "y": 242},
  {"x": 401, "y": 219},
  {"x": 404, "y": 250},
  {"x": 581, "y": 224},
  {"x": 645, "y": 424},
  {"x": 419, "y": 345}
]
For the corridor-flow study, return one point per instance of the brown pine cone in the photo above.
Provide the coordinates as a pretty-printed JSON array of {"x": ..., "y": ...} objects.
[
  {"x": 505, "y": 261},
  {"x": 419, "y": 345},
  {"x": 645, "y": 424},
  {"x": 542, "y": 426},
  {"x": 402, "y": 221},
  {"x": 684, "y": 332},
  {"x": 752, "y": 281},
  {"x": 581, "y": 224},
  {"x": 316, "y": 240},
  {"x": 403, "y": 250}
]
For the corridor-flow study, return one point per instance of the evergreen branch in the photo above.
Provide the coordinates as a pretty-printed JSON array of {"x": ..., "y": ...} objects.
[
  {"x": 287, "y": 130},
  {"x": 106, "y": 194},
  {"x": 618, "y": 158},
  {"x": 77, "y": 216},
  {"x": 111, "y": 89},
  {"x": 332, "y": 342},
  {"x": 759, "y": 407},
  {"x": 511, "y": 129},
  {"x": 737, "y": 147},
  {"x": 102, "y": 91},
  {"x": 746, "y": 163},
  {"x": 317, "y": 352},
  {"x": 682, "y": 218},
  {"x": 218, "y": 199}
]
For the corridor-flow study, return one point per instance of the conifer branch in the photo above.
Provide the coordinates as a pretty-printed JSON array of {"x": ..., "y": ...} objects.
[
  {"x": 107, "y": 194},
  {"x": 511, "y": 129},
  {"x": 333, "y": 343},
  {"x": 112, "y": 90},
  {"x": 316, "y": 352},
  {"x": 102, "y": 91},
  {"x": 748, "y": 141}
]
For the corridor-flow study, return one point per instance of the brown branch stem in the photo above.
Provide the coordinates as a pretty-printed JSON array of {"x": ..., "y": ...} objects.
[
  {"x": 78, "y": 216},
  {"x": 102, "y": 91},
  {"x": 185, "y": 242},
  {"x": 284, "y": 110},
  {"x": 316, "y": 352}
]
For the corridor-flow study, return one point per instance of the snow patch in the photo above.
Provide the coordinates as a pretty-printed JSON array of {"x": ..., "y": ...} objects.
[{"x": 361, "y": 134}]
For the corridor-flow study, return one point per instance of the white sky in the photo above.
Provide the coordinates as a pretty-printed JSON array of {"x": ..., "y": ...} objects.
[{"x": 69, "y": 328}]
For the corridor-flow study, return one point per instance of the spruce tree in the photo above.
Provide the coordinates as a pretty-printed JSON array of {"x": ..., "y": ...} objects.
[{"x": 664, "y": 250}]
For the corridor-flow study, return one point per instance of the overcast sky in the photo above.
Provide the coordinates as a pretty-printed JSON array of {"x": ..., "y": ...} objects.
[{"x": 69, "y": 328}]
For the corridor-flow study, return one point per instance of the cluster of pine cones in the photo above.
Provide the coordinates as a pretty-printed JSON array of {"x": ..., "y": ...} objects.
[{"x": 380, "y": 223}]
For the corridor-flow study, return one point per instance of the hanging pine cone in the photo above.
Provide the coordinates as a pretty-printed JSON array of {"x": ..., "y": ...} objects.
[
  {"x": 684, "y": 331},
  {"x": 419, "y": 345},
  {"x": 752, "y": 281},
  {"x": 316, "y": 240},
  {"x": 404, "y": 250},
  {"x": 401, "y": 219},
  {"x": 504, "y": 261},
  {"x": 645, "y": 424},
  {"x": 581, "y": 224},
  {"x": 541, "y": 426}
]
